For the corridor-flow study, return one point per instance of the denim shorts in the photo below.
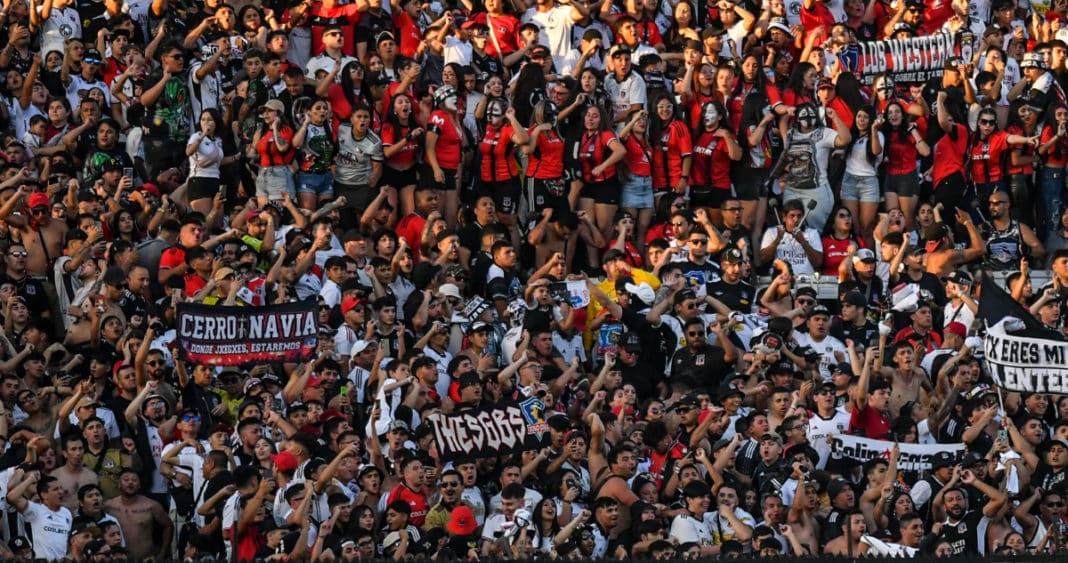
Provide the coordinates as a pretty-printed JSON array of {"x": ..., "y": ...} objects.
[
  {"x": 637, "y": 192},
  {"x": 860, "y": 188},
  {"x": 273, "y": 181},
  {"x": 311, "y": 183}
]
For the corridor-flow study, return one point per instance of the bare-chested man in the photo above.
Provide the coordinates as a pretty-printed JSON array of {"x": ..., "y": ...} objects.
[
  {"x": 556, "y": 232},
  {"x": 73, "y": 475},
  {"x": 42, "y": 237},
  {"x": 910, "y": 383},
  {"x": 138, "y": 515},
  {"x": 853, "y": 527}
]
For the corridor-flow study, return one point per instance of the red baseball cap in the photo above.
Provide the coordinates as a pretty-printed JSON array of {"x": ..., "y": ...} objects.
[
  {"x": 38, "y": 199},
  {"x": 462, "y": 521},
  {"x": 285, "y": 461}
]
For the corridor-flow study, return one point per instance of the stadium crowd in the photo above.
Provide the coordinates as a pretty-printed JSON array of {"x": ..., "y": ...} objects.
[{"x": 705, "y": 239}]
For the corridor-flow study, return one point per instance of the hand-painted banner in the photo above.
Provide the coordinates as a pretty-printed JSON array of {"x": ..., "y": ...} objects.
[
  {"x": 227, "y": 336},
  {"x": 915, "y": 59},
  {"x": 913, "y": 457},
  {"x": 491, "y": 431},
  {"x": 1026, "y": 364}
]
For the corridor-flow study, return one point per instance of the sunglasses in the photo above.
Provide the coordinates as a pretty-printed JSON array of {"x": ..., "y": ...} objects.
[
  {"x": 18, "y": 254},
  {"x": 844, "y": 216},
  {"x": 155, "y": 363},
  {"x": 993, "y": 203},
  {"x": 806, "y": 301},
  {"x": 190, "y": 418},
  {"x": 987, "y": 122},
  {"x": 1054, "y": 504},
  {"x": 699, "y": 241},
  {"x": 733, "y": 210},
  {"x": 683, "y": 410}
]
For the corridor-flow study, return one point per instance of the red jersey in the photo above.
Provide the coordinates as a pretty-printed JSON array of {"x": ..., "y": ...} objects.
[
  {"x": 935, "y": 15},
  {"x": 268, "y": 150},
  {"x": 593, "y": 150},
  {"x": 504, "y": 28},
  {"x": 818, "y": 16},
  {"x": 901, "y": 154},
  {"x": 792, "y": 98},
  {"x": 844, "y": 113},
  {"x": 450, "y": 141},
  {"x": 699, "y": 100},
  {"x": 391, "y": 90},
  {"x": 711, "y": 162},
  {"x": 547, "y": 160},
  {"x": 834, "y": 251},
  {"x": 414, "y": 499},
  {"x": 390, "y": 136},
  {"x": 498, "y": 155},
  {"x": 674, "y": 145},
  {"x": 986, "y": 157},
  {"x": 638, "y": 157},
  {"x": 1024, "y": 150},
  {"x": 408, "y": 35},
  {"x": 1057, "y": 156},
  {"x": 194, "y": 283},
  {"x": 869, "y": 423},
  {"x": 648, "y": 33},
  {"x": 346, "y": 16},
  {"x": 172, "y": 257},
  {"x": 630, "y": 253},
  {"x": 949, "y": 154},
  {"x": 410, "y": 228}
]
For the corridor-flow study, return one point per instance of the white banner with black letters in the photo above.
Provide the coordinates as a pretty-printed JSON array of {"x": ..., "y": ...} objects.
[
  {"x": 1026, "y": 364},
  {"x": 913, "y": 457}
]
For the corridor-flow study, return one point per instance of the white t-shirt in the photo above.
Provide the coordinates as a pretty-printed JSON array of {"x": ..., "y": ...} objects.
[
  {"x": 791, "y": 251},
  {"x": 457, "y": 51},
  {"x": 555, "y": 25},
  {"x": 858, "y": 163},
  {"x": 80, "y": 87},
  {"x": 50, "y": 530},
  {"x": 62, "y": 24},
  {"x": 205, "y": 162},
  {"x": 818, "y": 430},
  {"x": 830, "y": 350},
  {"x": 686, "y": 528}
]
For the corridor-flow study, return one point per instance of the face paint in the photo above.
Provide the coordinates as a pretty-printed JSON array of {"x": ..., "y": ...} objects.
[
  {"x": 806, "y": 117},
  {"x": 450, "y": 103},
  {"x": 887, "y": 86},
  {"x": 550, "y": 113},
  {"x": 495, "y": 111},
  {"x": 445, "y": 97},
  {"x": 710, "y": 115}
]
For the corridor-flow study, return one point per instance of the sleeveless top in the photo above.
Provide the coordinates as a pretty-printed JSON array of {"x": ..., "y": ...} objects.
[{"x": 1004, "y": 247}]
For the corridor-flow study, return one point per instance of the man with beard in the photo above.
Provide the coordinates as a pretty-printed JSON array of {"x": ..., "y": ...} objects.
[
  {"x": 966, "y": 530},
  {"x": 451, "y": 487},
  {"x": 140, "y": 517},
  {"x": 147, "y": 419},
  {"x": 700, "y": 361},
  {"x": 106, "y": 461},
  {"x": 73, "y": 475}
]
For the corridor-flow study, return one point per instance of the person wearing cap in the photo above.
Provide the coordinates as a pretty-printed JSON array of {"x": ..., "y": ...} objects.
[
  {"x": 1050, "y": 515},
  {"x": 701, "y": 362},
  {"x": 853, "y": 324},
  {"x": 1009, "y": 239},
  {"x": 625, "y": 88},
  {"x": 731, "y": 289},
  {"x": 274, "y": 144},
  {"x": 336, "y": 48},
  {"x": 962, "y": 307},
  {"x": 830, "y": 349}
]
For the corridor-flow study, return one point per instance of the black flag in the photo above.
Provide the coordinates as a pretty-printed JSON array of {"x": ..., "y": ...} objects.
[{"x": 995, "y": 304}]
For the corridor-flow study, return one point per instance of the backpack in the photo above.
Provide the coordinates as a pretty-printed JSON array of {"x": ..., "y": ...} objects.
[{"x": 799, "y": 161}]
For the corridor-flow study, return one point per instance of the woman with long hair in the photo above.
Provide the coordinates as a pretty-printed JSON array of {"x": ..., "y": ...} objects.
[
  {"x": 599, "y": 152},
  {"x": 671, "y": 145},
  {"x": 860, "y": 183},
  {"x": 714, "y": 151},
  {"x": 529, "y": 89},
  {"x": 343, "y": 87},
  {"x": 1053, "y": 155},
  {"x": 273, "y": 143},
  {"x": 205, "y": 152},
  {"x": 838, "y": 235},
  {"x": 400, "y": 144},
  {"x": 317, "y": 142},
  {"x": 637, "y": 198},
  {"x": 545, "y": 162},
  {"x": 800, "y": 89},
  {"x": 988, "y": 154},
  {"x": 700, "y": 91},
  {"x": 123, "y": 226},
  {"x": 498, "y": 170},
  {"x": 682, "y": 27},
  {"x": 444, "y": 151},
  {"x": 1026, "y": 123},
  {"x": 904, "y": 144},
  {"x": 750, "y": 174}
]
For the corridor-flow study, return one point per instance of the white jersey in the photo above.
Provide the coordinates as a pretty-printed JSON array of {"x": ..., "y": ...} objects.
[
  {"x": 818, "y": 430},
  {"x": 62, "y": 24},
  {"x": 50, "y": 529},
  {"x": 555, "y": 30}
]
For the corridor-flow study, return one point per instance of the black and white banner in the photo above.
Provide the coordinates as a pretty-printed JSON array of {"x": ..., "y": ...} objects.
[
  {"x": 913, "y": 457},
  {"x": 491, "y": 431},
  {"x": 1025, "y": 364}
]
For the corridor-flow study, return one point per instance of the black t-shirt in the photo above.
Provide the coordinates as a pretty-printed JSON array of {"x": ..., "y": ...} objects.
[
  {"x": 172, "y": 114},
  {"x": 738, "y": 296},
  {"x": 33, "y": 292},
  {"x": 864, "y": 334},
  {"x": 965, "y": 537},
  {"x": 700, "y": 274},
  {"x": 370, "y": 26},
  {"x": 706, "y": 365}
]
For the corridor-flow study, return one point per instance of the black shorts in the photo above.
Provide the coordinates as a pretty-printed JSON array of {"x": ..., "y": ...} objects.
[
  {"x": 202, "y": 188},
  {"x": 904, "y": 185},
  {"x": 708, "y": 197},
  {"x": 750, "y": 184},
  {"x": 426, "y": 179},
  {"x": 400, "y": 178},
  {"x": 548, "y": 194},
  {"x": 505, "y": 194},
  {"x": 607, "y": 192}
]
